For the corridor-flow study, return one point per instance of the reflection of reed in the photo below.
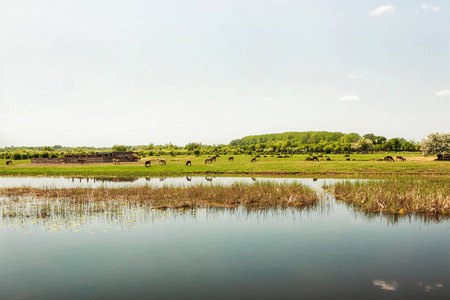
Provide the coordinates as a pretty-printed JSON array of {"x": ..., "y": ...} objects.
[
  {"x": 63, "y": 214},
  {"x": 259, "y": 195}
]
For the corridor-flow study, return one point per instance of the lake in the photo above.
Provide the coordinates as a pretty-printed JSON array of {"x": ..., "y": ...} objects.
[{"x": 135, "y": 252}]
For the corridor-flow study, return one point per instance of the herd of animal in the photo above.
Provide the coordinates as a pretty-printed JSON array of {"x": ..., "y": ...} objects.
[{"x": 214, "y": 158}]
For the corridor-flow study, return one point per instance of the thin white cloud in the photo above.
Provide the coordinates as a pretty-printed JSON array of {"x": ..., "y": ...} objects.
[
  {"x": 443, "y": 93},
  {"x": 349, "y": 98},
  {"x": 351, "y": 76},
  {"x": 383, "y": 9},
  {"x": 429, "y": 7}
]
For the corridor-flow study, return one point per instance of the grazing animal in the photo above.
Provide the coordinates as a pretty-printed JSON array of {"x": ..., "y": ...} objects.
[
  {"x": 188, "y": 163},
  {"x": 400, "y": 158},
  {"x": 208, "y": 179},
  {"x": 148, "y": 163},
  {"x": 315, "y": 158},
  {"x": 253, "y": 159},
  {"x": 208, "y": 160},
  {"x": 231, "y": 158},
  {"x": 82, "y": 161},
  {"x": 213, "y": 158},
  {"x": 162, "y": 161},
  {"x": 389, "y": 158},
  {"x": 116, "y": 161},
  {"x": 9, "y": 162}
]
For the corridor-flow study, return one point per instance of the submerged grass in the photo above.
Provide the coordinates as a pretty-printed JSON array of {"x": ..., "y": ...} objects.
[
  {"x": 397, "y": 196},
  {"x": 257, "y": 195}
]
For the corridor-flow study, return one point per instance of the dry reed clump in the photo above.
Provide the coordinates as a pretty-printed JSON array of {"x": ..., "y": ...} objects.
[
  {"x": 398, "y": 196},
  {"x": 261, "y": 195}
]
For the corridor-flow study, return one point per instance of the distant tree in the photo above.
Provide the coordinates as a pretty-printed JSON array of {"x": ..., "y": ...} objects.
[
  {"x": 363, "y": 145},
  {"x": 119, "y": 148},
  {"x": 436, "y": 143}
]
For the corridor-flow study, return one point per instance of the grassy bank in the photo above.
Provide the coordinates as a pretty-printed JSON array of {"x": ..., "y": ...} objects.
[
  {"x": 360, "y": 165},
  {"x": 258, "y": 195},
  {"x": 397, "y": 196}
]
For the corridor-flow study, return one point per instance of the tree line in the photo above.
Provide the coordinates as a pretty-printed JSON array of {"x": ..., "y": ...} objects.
[{"x": 287, "y": 143}]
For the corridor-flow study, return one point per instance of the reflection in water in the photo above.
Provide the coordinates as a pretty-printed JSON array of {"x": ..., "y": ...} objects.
[
  {"x": 387, "y": 286},
  {"x": 393, "y": 286},
  {"x": 188, "y": 178},
  {"x": 208, "y": 179},
  {"x": 57, "y": 215}
]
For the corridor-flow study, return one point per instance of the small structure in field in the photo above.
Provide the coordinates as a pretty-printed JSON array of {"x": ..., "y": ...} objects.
[{"x": 99, "y": 157}]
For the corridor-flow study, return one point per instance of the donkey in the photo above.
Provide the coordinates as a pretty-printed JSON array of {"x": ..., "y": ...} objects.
[
  {"x": 9, "y": 162},
  {"x": 315, "y": 158},
  {"x": 231, "y": 158},
  {"x": 188, "y": 163},
  {"x": 213, "y": 158},
  {"x": 162, "y": 161},
  {"x": 208, "y": 160},
  {"x": 400, "y": 158},
  {"x": 148, "y": 163},
  {"x": 389, "y": 158},
  {"x": 253, "y": 159}
]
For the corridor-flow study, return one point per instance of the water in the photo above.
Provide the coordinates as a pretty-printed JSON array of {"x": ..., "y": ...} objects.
[{"x": 131, "y": 252}]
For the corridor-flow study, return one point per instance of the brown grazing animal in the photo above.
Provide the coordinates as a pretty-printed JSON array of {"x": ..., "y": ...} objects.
[
  {"x": 253, "y": 159},
  {"x": 213, "y": 158},
  {"x": 148, "y": 163},
  {"x": 208, "y": 160},
  {"x": 82, "y": 161},
  {"x": 389, "y": 158},
  {"x": 231, "y": 158},
  {"x": 188, "y": 163},
  {"x": 315, "y": 158},
  {"x": 9, "y": 162},
  {"x": 116, "y": 161},
  {"x": 162, "y": 161},
  {"x": 400, "y": 158}
]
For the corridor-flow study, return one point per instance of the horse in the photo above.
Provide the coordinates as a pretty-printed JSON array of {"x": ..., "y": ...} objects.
[
  {"x": 148, "y": 163},
  {"x": 389, "y": 158},
  {"x": 116, "y": 161},
  {"x": 208, "y": 160},
  {"x": 315, "y": 158},
  {"x": 231, "y": 158},
  {"x": 253, "y": 159},
  {"x": 9, "y": 162},
  {"x": 188, "y": 163},
  {"x": 400, "y": 158},
  {"x": 162, "y": 161}
]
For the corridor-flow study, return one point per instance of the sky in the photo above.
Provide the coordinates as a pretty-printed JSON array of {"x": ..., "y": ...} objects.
[{"x": 135, "y": 72}]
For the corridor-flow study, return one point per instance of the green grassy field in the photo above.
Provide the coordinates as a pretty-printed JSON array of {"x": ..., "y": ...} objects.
[{"x": 360, "y": 165}]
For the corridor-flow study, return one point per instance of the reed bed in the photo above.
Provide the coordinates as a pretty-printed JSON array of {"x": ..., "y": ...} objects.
[
  {"x": 397, "y": 196},
  {"x": 257, "y": 195}
]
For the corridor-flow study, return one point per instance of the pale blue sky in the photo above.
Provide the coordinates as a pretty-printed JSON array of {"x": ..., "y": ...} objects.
[{"x": 99, "y": 73}]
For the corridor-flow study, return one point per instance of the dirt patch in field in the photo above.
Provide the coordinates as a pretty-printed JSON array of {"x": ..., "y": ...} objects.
[{"x": 421, "y": 158}]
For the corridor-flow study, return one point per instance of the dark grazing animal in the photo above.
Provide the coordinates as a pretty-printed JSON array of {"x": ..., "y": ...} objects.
[
  {"x": 162, "y": 161},
  {"x": 213, "y": 158},
  {"x": 9, "y": 162},
  {"x": 208, "y": 160},
  {"x": 148, "y": 163},
  {"x": 83, "y": 160},
  {"x": 188, "y": 163},
  {"x": 400, "y": 158},
  {"x": 315, "y": 158},
  {"x": 253, "y": 159},
  {"x": 231, "y": 158},
  {"x": 389, "y": 158},
  {"x": 116, "y": 161}
]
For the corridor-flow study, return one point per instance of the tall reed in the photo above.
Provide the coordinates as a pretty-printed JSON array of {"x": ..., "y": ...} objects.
[{"x": 399, "y": 196}]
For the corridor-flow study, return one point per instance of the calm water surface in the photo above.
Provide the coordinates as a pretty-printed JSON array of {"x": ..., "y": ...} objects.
[{"x": 130, "y": 252}]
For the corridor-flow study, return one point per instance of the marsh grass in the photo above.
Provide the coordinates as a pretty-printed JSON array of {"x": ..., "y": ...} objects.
[
  {"x": 423, "y": 195},
  {"x": 257, "y": 195}
]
